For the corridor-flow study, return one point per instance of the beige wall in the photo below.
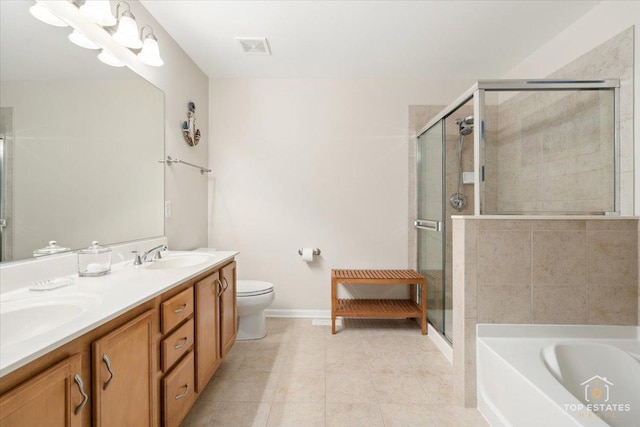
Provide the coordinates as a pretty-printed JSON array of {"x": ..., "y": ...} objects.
[
  {"x": 313, "y": 163},
  {"x": 553, "y": 271},
  {"x": 600, "y": 24}
]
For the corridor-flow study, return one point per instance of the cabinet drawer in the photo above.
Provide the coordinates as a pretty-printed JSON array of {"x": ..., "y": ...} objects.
[
  {"x": 178, "y": 392},
  {"x": 176, "y": 309},
  {"x": 176, "y": 344}
]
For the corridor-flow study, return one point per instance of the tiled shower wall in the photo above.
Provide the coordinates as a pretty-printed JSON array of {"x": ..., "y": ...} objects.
[
  {"x": 542, "y": 271},
  {"x": 553, "y": 151}
]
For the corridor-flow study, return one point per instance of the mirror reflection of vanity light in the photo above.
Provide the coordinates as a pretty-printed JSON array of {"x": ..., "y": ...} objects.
[
  {"x": 43, "y": 14},
  {"x": 79, "y": 39},
  {"x": 107, "y": 57}
]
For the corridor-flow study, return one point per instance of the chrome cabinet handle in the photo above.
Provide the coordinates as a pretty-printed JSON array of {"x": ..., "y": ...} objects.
[
  {"x": 78, "y": 381},
  {"x": 186, "y": 391},
  {"x": 220, "y": 290},
  {"x": 180, "y": 310},
  {"x": 107, "y": 362},
  {"x": 184, "y": 342},
  {"x": 227, "y": 283}
]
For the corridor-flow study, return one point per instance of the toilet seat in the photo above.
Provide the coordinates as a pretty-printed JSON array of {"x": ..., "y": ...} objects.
[{"x": 252, "y": 288}]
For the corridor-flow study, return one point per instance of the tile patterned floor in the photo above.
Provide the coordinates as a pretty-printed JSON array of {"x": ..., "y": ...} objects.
[{"x": 371, "y": 373}]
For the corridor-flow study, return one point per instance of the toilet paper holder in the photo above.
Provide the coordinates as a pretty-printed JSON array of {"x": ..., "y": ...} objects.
[{"x": 316, "y": 252}]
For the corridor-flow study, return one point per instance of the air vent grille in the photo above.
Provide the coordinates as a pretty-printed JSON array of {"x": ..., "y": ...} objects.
[{"x": 254, "y": 46}]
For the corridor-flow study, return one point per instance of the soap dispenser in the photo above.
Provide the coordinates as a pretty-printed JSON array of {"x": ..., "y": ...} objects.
[{"x": 94, "y": 260}]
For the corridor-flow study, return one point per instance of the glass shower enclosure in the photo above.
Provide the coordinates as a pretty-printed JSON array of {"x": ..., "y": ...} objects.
[{"x": 512, "y": 147}]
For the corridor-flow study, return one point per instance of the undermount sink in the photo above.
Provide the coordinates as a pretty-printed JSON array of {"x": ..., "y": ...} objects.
[
  {"x": 25, "y": 318},
  {"x": 180, "y": 260}
]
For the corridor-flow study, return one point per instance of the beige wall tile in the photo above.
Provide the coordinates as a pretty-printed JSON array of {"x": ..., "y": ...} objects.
[
  {"x": 613, "y": 258},
  {"x": 612, "y": 305},
  {"x": 503, "y": 224},
  {"x": 504, "y": 257},
  {"x": 559, "y": 257},
  {"x": 560, "y": 304},
  {"x": 558, "y": 224},
  {"x": 612, "y": 224},
  {"x": 504, "y": 304}
]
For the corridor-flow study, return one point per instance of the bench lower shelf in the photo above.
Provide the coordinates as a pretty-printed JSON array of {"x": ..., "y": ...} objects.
[{"x": 387, "y": 308}]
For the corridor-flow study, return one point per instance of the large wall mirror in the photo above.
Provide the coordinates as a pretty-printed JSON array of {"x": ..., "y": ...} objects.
[{"x": 80, "y": 143}]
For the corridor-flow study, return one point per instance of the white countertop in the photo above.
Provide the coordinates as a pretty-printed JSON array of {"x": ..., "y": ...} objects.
[{"x": 126, "y": 287}]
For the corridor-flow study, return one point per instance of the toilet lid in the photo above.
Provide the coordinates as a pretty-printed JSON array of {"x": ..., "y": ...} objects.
[{"x": 249, "y": 288}]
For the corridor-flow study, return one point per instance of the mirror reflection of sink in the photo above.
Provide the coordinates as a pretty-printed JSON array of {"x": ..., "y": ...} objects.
[
  {"x": 179, "y": 260},
  {"x": 26, "y": 318}
]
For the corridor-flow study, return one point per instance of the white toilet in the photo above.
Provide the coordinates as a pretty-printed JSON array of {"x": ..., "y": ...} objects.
[{"x": 253, "y": 297}]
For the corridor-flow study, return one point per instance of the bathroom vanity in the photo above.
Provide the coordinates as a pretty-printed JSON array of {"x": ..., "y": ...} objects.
[{"x": 159, "y": 331}]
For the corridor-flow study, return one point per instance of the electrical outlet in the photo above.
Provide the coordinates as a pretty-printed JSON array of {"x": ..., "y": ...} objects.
[{"x": 167, "y": 208}]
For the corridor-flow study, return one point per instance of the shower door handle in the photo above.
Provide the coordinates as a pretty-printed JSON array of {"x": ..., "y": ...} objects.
[{"x": 427, "y": 224}]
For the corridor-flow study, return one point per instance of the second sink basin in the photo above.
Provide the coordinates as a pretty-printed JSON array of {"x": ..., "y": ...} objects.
[
  {"x": 26, "y": 318},
  {"x": 179, "y": 260}
]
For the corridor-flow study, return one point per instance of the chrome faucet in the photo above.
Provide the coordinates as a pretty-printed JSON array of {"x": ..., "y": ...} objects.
[{"x": 154, "y": 253}]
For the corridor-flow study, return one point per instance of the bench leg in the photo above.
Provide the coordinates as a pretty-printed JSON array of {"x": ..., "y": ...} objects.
[
  {"x": 424, "y": 307},
  {"x": 334, "y": 302}
]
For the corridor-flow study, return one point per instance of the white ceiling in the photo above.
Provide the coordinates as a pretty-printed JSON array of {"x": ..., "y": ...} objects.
[{"x": 358, "y": 39}]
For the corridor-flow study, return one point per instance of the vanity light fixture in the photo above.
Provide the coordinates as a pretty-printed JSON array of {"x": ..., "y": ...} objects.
[
  {"x": 150, "y": 53},
  {"x": 127, "y": 31},
  {"x": 79, "y": 39},
  {"x": 108, "y": 58},
  {"x": 45, "y": 15},
  {"x": 99, "y": 12}
]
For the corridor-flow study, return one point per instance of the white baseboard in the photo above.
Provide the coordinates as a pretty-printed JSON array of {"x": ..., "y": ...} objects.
[{"x": 443, "y": 345}]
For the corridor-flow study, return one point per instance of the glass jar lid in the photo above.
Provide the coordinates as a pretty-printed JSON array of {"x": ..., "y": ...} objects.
[{"x": 95, "y": 248}]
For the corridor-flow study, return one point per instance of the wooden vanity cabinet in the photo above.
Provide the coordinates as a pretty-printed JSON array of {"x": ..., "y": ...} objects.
[
  {"x": 228, "y": 308},
  {"x": 54, "y": 398},
  {"x": 208, "y": 354},
  {"x": 143, "y": 368},
  {"x": 123, "y": 375}
]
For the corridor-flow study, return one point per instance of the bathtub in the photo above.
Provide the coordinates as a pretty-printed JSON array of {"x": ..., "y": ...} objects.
[{"x": 558, "y": 375}]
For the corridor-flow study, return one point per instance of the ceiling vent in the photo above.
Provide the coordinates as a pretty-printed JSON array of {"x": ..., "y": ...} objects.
[{"x": 254, "y": 46}]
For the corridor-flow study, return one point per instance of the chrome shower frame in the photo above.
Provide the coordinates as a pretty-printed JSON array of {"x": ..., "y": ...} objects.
[{"x": 478, "y": 95}]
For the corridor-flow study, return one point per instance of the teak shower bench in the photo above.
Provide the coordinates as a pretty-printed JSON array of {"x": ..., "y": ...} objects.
[{"x": 386, "y": 308}]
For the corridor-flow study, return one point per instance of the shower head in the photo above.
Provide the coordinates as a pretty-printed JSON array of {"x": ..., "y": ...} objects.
[{"x": 466, "y": 125}]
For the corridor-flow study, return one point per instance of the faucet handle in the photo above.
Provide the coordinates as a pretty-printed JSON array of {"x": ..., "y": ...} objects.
[{"x": 137, "y": 258}]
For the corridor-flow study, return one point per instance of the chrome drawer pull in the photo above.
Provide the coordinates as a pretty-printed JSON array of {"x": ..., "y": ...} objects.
[
  {"x": 107, "y": 362},
  {"x": 78, "y": 381},
  {"x": 184, "y": 342},
  {"x": 186, "y": 391},
  {"x": 180, "y": 310},
  {"x": 220, "y": 290}
]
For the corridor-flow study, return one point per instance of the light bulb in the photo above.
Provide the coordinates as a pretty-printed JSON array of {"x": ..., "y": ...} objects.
[
  {"x": 45, "y": 15},
  {"x": 108, "y": 58},
  {"x": 150, "y": 53},
  {"x": 99, "y": 12},
  {"x": 127, "y": 32},
  {"x": 81, "y": 40}
]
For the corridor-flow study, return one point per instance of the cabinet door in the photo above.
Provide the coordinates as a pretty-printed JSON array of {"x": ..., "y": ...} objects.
[
  {"x": 208, "y": 355},
  {"x": 54, "y": 398},
  {"x": 228, "y": 312},
  {"x": 123, "y": 373}
]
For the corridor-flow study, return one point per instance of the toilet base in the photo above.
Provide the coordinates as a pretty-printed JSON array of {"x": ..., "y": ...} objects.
[{"x": 252, "y": 327}]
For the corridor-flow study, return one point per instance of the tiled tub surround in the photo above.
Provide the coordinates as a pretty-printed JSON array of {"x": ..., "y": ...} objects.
[
  {"x": 124, "y": 288},
  {"x": 525, "y": 270}
]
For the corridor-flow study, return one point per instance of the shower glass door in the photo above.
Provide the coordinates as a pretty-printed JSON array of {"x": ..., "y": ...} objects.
[{"x": 430, "y": 222}]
